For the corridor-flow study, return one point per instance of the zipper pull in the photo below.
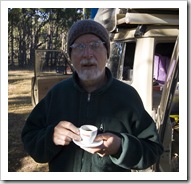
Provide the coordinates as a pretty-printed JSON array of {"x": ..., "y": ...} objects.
[{"x": 89, "y": 96}]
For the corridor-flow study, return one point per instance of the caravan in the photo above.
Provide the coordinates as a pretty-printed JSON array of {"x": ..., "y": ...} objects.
[{"x": 145, "y": 54}]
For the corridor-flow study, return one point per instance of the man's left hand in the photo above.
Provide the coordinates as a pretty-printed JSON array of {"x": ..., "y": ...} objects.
[{"x": 111, "y": 145}]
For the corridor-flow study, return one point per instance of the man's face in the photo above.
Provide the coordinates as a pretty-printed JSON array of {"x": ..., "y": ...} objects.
[{"x": 89, "y": 57}]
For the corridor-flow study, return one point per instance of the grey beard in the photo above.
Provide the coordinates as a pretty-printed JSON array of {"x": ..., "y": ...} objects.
[
  {"x": 93, "y": 74},
  {"x": 90, "y": 74}
]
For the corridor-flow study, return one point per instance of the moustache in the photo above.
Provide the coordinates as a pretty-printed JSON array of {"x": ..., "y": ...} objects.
[{"x": 88, "y": 62}]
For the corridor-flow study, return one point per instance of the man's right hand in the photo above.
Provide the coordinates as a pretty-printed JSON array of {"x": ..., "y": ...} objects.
[{"x": 65, "y": 132}]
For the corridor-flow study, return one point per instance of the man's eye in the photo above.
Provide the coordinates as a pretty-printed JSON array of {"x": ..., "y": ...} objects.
[{"x": 80, "y": 46}]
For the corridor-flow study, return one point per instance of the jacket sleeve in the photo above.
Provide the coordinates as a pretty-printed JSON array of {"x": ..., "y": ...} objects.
[
  {"x": 37, "y": 135},
  {"x": 142, "y": 148}
]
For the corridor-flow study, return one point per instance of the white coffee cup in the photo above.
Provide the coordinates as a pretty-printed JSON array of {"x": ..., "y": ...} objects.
[{"x": 88, "y": 133}]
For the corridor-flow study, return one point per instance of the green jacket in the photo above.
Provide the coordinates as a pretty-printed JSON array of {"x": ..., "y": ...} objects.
[{"x": 115, "y": 108}]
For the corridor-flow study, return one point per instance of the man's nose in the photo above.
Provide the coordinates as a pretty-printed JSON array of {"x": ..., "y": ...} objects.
[{"x": 87, "y": 51}]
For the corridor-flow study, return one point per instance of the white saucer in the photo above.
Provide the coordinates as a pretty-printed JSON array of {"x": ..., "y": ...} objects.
[{"x": 82, "y": 144}]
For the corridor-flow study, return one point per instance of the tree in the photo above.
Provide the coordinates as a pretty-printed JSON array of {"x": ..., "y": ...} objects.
[{"x": 14, "y": 17}]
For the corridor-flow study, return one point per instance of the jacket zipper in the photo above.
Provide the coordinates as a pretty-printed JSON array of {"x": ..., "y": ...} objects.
[
  {"x": 89, "y": 97},
  {"x": 82, "y": 159},
  {"x": 88, "y": 106}
]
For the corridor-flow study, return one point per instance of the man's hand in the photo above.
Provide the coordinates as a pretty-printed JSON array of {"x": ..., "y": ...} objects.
[
  {"x": 64, "y": 132},
  {"x": 111, "y": 145}
]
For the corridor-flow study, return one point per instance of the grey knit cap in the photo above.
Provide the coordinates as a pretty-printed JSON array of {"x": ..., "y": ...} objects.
[{"x": 88, "y": 27}]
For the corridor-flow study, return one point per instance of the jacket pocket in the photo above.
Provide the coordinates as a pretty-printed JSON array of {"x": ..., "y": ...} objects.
[{"x": 104, "y": 164}]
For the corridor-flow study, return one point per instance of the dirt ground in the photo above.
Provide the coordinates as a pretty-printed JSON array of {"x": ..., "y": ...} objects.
[{"x": 19, "y": 107}]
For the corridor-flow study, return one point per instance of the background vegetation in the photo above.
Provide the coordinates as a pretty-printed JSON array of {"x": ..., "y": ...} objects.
[
  {"x": 30, "y": 29},
  {"x": 38, "y": 28}
]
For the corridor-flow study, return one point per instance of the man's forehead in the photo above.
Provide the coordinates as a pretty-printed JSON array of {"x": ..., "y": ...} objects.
[{"x": 87, "y": 38}]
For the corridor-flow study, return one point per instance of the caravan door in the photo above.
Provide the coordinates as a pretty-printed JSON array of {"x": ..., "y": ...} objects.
[{"x": 168, "y": 117}]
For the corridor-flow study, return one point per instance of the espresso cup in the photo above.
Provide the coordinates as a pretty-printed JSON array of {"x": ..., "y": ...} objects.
[{"x": 88, "y": 133}]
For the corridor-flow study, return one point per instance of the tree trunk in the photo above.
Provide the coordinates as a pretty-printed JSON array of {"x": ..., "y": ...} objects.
[{"x": 12, "y": 44}]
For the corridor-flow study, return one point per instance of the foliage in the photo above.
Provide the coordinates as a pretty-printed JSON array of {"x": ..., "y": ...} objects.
[{"x": 38, "y": 28}]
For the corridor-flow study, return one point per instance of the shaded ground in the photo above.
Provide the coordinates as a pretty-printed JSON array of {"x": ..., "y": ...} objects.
[{"x": 19, "y": 102}]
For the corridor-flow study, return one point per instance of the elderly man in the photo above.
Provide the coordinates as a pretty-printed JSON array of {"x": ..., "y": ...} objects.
[{"x": 91, "y": 96}]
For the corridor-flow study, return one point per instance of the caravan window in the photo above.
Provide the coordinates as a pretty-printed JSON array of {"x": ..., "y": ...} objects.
[
  {"x": 122, "y": 60},
  {"x": 128, "y": 61}
]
